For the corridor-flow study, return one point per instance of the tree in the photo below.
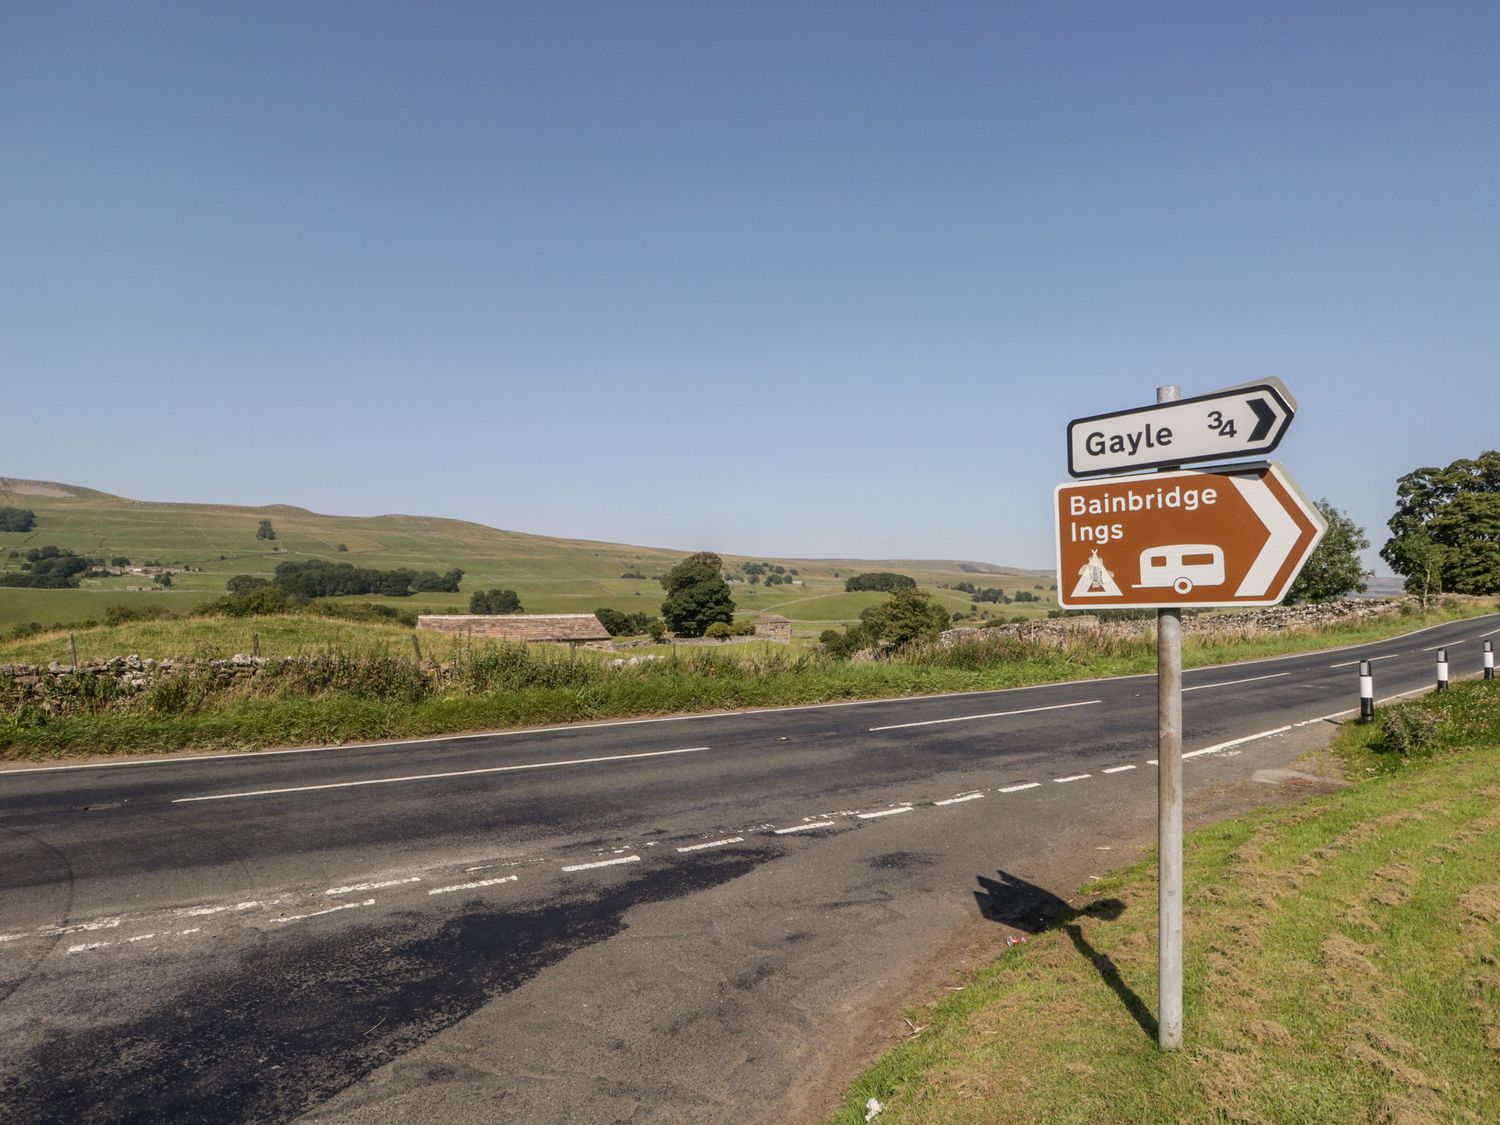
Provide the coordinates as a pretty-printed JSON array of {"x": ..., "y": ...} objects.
[
  {"x": 882, "y": 581},
  {"x": 1445, "y": 534},
  {"x": 1333, "y": 570},
  {"x": 17, "y": 519},
  {"x": 119, "y": 560},
  {"x": 265, "y": 531},
  {"x": 907, "y": 616},
  {"x": 164, "y": 580},
  {"x": 697, "y": 595},
  {"x": 494, "y": 602}
]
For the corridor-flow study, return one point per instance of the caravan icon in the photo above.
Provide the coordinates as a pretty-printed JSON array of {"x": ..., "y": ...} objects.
[{"x": 1182, "y": 566}]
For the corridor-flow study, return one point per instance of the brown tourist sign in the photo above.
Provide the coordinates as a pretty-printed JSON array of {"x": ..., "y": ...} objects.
[{"x": 1231, "y": 536}]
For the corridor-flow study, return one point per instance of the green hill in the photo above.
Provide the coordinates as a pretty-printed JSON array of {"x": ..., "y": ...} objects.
[{"x": 551, "y": 575}]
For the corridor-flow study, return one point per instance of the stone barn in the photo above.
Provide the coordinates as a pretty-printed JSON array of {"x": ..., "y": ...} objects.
[
  {"x": 773, "y": 627},
  {"x": 550, "y": 628}
]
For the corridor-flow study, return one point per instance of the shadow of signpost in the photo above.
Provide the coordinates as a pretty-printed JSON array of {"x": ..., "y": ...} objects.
[{"x": 1033, "y": 910}]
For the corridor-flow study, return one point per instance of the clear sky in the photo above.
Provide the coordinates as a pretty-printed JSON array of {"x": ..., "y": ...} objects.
[{"x": 801, "y": 279}]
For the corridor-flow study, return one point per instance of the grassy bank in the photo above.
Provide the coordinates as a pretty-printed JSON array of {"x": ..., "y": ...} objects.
[
  {"x": 359, "y": 681},
  {"x": 1340, "y": 964}
]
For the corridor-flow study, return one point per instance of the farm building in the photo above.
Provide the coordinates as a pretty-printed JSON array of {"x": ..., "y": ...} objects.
[
  {"x": 773, "y": 627},
  {"x": 553, "y": 628}
]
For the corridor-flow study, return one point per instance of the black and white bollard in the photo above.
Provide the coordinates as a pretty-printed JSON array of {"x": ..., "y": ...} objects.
[
  {"x": 1442, "y": 669},
  {"x": 1366, "y": 693},
  {"x": 1489, "y": 660}
]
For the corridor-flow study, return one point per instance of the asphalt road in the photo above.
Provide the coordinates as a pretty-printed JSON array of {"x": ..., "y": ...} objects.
[{"x": 692, "y": 919}]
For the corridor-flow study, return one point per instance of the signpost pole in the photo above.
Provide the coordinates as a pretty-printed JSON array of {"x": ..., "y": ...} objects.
[{"x": 1169, "y": 813}]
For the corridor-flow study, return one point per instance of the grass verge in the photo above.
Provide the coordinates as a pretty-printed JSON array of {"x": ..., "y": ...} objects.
[
  {"x": 358, "y": 681},
  {"x": 1341, "y": 964}
]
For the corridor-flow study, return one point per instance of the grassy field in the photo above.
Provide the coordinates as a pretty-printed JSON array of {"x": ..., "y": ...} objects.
[
  {"x": 1340, "y": 964},
  {"x": 551, "y": 575}
]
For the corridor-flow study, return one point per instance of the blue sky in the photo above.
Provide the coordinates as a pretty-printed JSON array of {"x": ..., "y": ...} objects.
[{"x": 811, "y": 279}]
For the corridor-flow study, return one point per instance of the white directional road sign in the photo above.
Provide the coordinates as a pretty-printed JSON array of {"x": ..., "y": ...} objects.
[{"x": 1235, "y": 422}]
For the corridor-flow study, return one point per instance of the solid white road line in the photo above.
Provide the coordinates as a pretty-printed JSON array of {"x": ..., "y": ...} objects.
[
  {"x": 330, "y": 910},
  {"x": 354, "y": 887},
  {"x": 475, "y": 885},
  {"x": 437, "y": 776},
  {"x": 990, "y": 715},
  {"x": 1119, "y": 769},
  {"x": 1371, "y": 659},
  {"x": 883, "y": 812},
  {"x": 1018, "y": 788},
  {"x": 1236, "y": 742},
  {"x": 713, "y": 844},
  {"x": 803, "y": 827},
  {"x": 1074, "y": 777},
  {"x": 603, "y": 863},
  {"x": 1231, "y": 683},
  {"x": 957, "y": 800}
]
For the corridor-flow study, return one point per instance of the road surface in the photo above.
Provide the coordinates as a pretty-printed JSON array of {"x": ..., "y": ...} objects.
[{"x": 695, "y": 919}]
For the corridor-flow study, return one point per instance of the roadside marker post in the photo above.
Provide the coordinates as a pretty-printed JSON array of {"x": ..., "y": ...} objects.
[
  {"x": 1442, "y": 669},
  {"x": 1145, "y": 533},
  {"x": 1489, "y": 660},
  {"x": 1366, "y": 693}
]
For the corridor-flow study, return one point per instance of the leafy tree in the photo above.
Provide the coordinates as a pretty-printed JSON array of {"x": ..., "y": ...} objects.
[
  {"x": 164, "y": 580},
  {"x": 245, "y": 583},
  {"x": 119, "y": 560},
  {"x": 615, "y": 623},
  {"x": 697, "y": 595},
  {"x": 17, "y": 519},
  {"x": 342, "y": 547},
  {"x": 49, "y": 568},
  {"x": 719, "y": 631},
  {"x": 657, "y": 629},
  {"x": 882, "y": 581},
  {"x": 265, "y": 531},
  {"x": 1445, "y": 534},
  {"x": 495, "y": 602},
  {"x": 1333, "y": 570},
  {"x": 907, "y": 616}
]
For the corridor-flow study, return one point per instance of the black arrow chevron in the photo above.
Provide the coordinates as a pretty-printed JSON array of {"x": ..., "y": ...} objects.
[{"x": 1266, "y": 416}]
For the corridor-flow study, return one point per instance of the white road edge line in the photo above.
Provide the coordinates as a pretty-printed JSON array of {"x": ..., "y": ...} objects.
[
  {"x": 603, "y": 863},
  {"x": 1119, "y": 769},
  {"x": 1371, "y": 659},
  {"x": 330, "y": 910},
  {"x": 1214, "y": 749},
  {"x": 957, "y": 800},
  {"x": 1074, "y": 777},
  {"x": 475, "y": 885},
  {"x": 437, "y": 776},
  {"x": 356, "y": 887},
  {"x": 1231, "y": 683},
  {"x": 993, "y": 715},
  {"x": 1018, "y": 788},
  {"x": 803, "y": 827},
  {"x": 713, "y": 844},
  {"x": 883, "y": 812}
]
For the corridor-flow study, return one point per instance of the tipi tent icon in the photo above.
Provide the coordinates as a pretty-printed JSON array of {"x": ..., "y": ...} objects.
[{"x": 1095, "y": 580}]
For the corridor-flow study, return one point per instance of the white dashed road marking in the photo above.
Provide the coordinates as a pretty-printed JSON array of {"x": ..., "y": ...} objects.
[
  {"x": 475, "y": 885},
  {"x": 603, "y": 863},
  {"x": 330, "y": 910},
  {"x": 1231, "y": 683},
  {"x": 1018, "y": 788},
  {"x": 804, "y": 827},
  {"x": 713, "y": 844},
  {"x": 1119, "y": 769},
  {"x": 1074, "y": 777},
  {"x": 990, "y": 715},
  {"x": 1371, "y": 659},
  {"x": 438, "y": 776},
  {"x": 883, "y": 812},
  {"x": 957, "y": 800},
  {"x": 357, "y": 887}
]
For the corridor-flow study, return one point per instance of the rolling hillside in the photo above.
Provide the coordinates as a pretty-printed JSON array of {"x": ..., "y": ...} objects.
[{"x": 551, "y": 575}]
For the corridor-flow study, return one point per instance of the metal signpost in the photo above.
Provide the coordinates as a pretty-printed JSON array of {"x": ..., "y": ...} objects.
[{"x": 1229, "y": 536}]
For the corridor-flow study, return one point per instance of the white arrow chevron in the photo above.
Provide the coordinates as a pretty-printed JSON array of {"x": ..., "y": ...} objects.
[{"x": 1283, "y": 537}]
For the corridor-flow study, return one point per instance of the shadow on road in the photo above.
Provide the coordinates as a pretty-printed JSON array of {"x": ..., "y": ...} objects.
[{"x": 1032, "y": 909}]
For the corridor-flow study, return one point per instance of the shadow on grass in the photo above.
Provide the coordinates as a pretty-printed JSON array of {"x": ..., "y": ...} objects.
[{"x": 1032, "y": 909}]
